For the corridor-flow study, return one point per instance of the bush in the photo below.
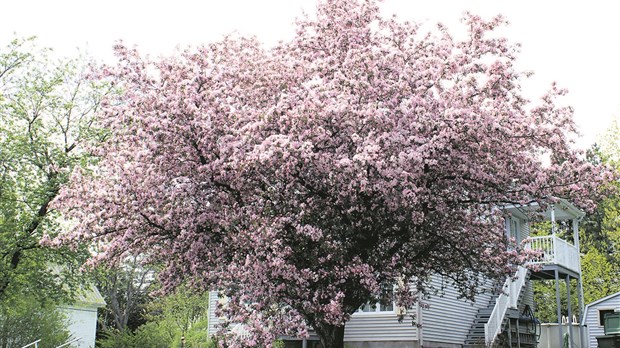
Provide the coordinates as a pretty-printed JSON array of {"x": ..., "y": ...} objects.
[
  {"x": 25, "y": 320},
  {"x": 150, "y": 335},
  {"x": 196, "y": 337}
]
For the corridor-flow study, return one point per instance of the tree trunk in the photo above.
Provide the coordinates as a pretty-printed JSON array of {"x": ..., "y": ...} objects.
[{"x": 331, "y": 336}]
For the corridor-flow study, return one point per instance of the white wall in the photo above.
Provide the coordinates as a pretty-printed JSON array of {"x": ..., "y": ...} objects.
[
  {"x": 82, "y": 324},
  {"x": 549, "y": 336}
]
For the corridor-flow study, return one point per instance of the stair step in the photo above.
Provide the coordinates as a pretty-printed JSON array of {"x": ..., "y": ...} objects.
[{"x": 476, "y": 335}]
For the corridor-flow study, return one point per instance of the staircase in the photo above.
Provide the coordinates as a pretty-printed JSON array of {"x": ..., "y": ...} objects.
[
  {"x": 476, "y": 336},
  {"x": 492, "y": 320}
]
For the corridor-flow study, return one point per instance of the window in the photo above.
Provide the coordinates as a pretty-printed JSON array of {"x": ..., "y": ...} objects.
[
  {"x": 386, "y": 303},
  {"x": 513, "y": 228},
  {"x": 601, "y": 315},
  {"x": 376, "y": 307}
]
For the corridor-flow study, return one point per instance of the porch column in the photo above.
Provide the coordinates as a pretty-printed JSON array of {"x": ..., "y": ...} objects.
[
  {"x": 553, "y": 220},
  {"x": 419, "y": 329},
  {"x": 580, "y": 298},
  {"x": 558, "y": 304},
  {"x": 570, "y": 317},
  {"x": 518, "y": 336}
]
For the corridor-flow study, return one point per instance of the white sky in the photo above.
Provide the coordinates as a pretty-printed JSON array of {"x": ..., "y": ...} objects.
[{"x": 575, "y": 43}]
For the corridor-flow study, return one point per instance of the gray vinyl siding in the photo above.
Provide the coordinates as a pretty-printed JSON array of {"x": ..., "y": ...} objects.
[
  {"x": 592, "y": 318},
  {"x": 528, "y": 296},
  {"x": 213, "y": 319},
  {"x": 381, "y": 326},
  {"x": 525, "y": 229},
  {"x": 448, "y": 319}
]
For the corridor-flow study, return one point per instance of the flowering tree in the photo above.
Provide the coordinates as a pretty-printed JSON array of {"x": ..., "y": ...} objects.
[{"x": 303, "y": 179}]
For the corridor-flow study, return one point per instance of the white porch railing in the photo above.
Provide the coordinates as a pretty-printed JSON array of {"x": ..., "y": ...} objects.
[
  {"x": 507, "y": 299},
  {"x": 555, "y": 251}
]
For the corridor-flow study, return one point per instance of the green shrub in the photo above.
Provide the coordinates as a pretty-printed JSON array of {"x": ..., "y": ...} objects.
[
  {"x": 150, "y": 335},
  {"x": 25, "y": 320}
]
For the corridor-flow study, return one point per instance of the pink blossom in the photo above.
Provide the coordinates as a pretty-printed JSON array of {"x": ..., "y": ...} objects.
[{"x": 303, "y": 179}]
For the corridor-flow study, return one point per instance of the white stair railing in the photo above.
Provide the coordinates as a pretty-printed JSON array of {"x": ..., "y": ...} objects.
[
  {"x": 68, "y": 343},
  {"x": 507, "y": 299},
  {"x": 35, "y": 344}
]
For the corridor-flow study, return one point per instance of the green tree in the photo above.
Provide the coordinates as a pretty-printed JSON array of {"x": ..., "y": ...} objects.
[
  {"x": 599, "y": 241},
  {"x": 24, "y": 320},
  {"x": 600, "y": 276},
  {"x": 182, "y": 314},
  {"x": 125, "y": 289},
  {"x": 600, "y": 230},
  {"x": 46, "y": 116}
]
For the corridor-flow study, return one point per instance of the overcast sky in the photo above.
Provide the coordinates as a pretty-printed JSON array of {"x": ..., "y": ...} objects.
[{"x": 575, "y": 43}]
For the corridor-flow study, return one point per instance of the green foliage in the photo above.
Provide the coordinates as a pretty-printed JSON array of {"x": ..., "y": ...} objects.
[
  {"x": 157, "y": 334},
  {"x": 599, "y": 242},
  {"x": 151, "y": 335},
  {"x": 609, "y": 149},
  {"x": 24, "y": 320},
  {"x": 545, "y": 300},
  {"x": 600, "y": 276},
  {"x": 46, "y": 115},
  {"x": 182, "y": 309},
  {"x": 170, "y": 318},
  {"x": 196, "y": 337},
  {"x": 125, "y": 289}
]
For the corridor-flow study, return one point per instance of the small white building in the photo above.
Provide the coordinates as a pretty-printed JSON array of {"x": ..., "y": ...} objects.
[
  {"x": 594, "y": 315},
  {"x": 82, "y": 316}
]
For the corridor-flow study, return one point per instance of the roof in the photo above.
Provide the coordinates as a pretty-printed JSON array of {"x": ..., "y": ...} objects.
[
  {"x": 563, "y": 210},
  {"x": 89, "y": 296},
  {"x": 583, "y": 319},
  {"x": 86, "y": 295}
]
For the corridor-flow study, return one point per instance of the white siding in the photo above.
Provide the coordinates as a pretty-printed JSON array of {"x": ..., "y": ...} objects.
[
  {"x": 592, "y": 319},
  {"x": 381, "y": 326},
  {"x": 82, "y": 324},
  {"x": 213, "y": 319},
  {"x": 448, "y": 318}
]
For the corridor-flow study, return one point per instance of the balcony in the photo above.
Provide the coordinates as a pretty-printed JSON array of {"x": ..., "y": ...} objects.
[{"x": 556, "y": 252}]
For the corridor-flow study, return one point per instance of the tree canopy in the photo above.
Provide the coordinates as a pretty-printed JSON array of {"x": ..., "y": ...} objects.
[
  {"x": 46, "y": 114},
  {"x": 303, "y": 179}
]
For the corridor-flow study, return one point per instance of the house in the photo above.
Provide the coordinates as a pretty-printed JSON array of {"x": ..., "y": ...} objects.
[
  {"x": 504, "y": 320},
  {"x": 82, "y": 316},
  {"x": 594, "y": 316}
]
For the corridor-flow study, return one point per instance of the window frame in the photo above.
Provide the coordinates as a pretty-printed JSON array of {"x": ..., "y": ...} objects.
[
  {"x": 601, "y": 315},
  {"x": 379, "y": 308}
]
